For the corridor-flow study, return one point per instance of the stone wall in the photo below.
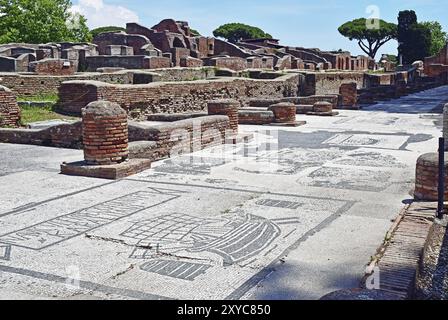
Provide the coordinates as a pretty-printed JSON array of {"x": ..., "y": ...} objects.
[
  {"x": 173, "y": 97},
  {"x": 190, "y": 62},
  {"x": 62, "y": 136},
  {"x": 232, "y": 63},
  {"x": 321, "y": 83},
  {"x": 55, "y": 67},
  {"x": 438, "y": 64},
  {"x": 9, "y": 109},
  {"x": 184, "y": 74},
  {"x": 349, "y": 95},
  {"x": 28, "y": 84},
  {"x": 202, "y": 132},
  {"x": 209, "y": 130},
  {"x": 127, "y": 62},
  {"x": 31, "y": 84}
]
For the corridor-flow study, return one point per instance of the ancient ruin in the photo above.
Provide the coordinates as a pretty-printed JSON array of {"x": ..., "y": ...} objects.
[{"x": 224, "y": 156}]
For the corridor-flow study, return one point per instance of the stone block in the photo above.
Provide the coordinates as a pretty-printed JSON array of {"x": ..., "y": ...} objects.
[{"x": 112, "y": 172}]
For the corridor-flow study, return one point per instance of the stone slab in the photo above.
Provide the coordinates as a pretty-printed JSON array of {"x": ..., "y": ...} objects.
[
  {"x": 112, "y": 172},
  {"x": 293, "y": 124},
  {"x": 323, "y": 114}
]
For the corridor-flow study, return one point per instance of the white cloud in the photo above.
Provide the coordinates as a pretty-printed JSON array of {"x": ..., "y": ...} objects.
[{"x": 100, "y": 14}]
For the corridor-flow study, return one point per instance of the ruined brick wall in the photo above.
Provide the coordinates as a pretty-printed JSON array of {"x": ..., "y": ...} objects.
[
  {"x": 127, "y": 62},
  {"x": 56, "y": 67},
  {"x": 232, "y": 63},
  {"x": 203, "y": 132},
  {"x": 158, "y": 62},
  {"x": 174, "y": 97},
  {"x": 184, "y": 74},
  {"x": 283, "y": 63},
  {"x": 71, "y": 136},
  {"x": 349, "y": 93},
  {"x": 226, "y": 48},
  {"x": 329, "y": 82},
  {"x": 29, "y": 85},
  {"x": 254, "y": 63},
  {"x": 103, "y": 40},
  {"x": 189, "y": 62},
  {"x": 76, "y": 95},
  {"x": 62, "y": 136},
  {"x": 440, "y": 58},
  {"x": 9, "y": 109},
  {"x": 436, "y": 70}
]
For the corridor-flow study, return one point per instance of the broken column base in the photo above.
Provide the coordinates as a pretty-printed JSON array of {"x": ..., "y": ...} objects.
[{"x": 111, "y": 172}]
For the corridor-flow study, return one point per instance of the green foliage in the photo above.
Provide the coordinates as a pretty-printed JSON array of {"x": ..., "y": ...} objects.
[
  {"x": 99, "y": 30},
  {"x": 30, "y": 114},
  {"x": 195, "y": 32},
  {"x": 439, "y": 38},
  {"x": 41, "y": 21},
  {"x": 50, "y": 97},
  {"x": 234, "y": 32},
  {"x": 370, "y": 40},
  {"x": 415, "y": 39},
  {"x": 392, "y": 58}
]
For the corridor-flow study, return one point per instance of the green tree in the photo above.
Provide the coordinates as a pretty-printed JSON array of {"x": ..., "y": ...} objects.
[
  {"x": 99, "y": 30},
  {"x": 370, "y": 38},
  {"x": 439, "y": 38},
  {"x": 414, "y": 38},
  {"x": 41, "y": 21},
  {"x": 234, "y": 32},
  {"x": 195, "y": 32}
]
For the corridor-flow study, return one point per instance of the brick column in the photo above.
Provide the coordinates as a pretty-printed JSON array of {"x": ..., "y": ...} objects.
[
  {"x": 284, "y": 112},
  {"x": 105, "y": 133},
  {"x": 349, "y": 93},
  {"x": 226, "y": 107},
  {"x": 427, "y": 177},
  {"x": 400, "y": 88},
  {"x": 9, "y": 109}
]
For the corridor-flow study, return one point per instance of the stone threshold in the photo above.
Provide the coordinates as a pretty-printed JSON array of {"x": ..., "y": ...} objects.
[{"x": 111, "y": 172}]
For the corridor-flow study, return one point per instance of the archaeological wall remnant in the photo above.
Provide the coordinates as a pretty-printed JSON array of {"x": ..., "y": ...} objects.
[
  {"x": 173, "y": 97},
  {"x": 226, "y": 107},
  {"x": 9, "y": 109}
]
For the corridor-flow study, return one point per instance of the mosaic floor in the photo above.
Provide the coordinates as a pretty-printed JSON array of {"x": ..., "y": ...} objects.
[{"x": 294, "y": 214}]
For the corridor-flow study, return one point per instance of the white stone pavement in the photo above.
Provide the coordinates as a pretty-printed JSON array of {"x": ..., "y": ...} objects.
[{"x": 295, "y": 214}]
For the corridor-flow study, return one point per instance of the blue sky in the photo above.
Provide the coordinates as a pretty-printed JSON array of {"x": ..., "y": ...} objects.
[{"x": 311, "y": 23}]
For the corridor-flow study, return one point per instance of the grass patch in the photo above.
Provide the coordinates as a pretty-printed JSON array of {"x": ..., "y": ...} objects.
[
  {"x": 53, "y": 97},
  {"x": 35, "y": 114}
]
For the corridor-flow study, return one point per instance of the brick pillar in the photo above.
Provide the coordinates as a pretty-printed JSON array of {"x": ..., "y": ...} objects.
[
  {"x": 226, "y": 107},
  {"x": 445, "y": 126},
  {"x": 349, "y": 93},
  {"x": 427, "y": 175},
  {"x": 400, "y": 88},
  {"x": 9, "y": 109},
  {"x": 284, "y": 112},
  {"x": 105, "y": 133}
]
